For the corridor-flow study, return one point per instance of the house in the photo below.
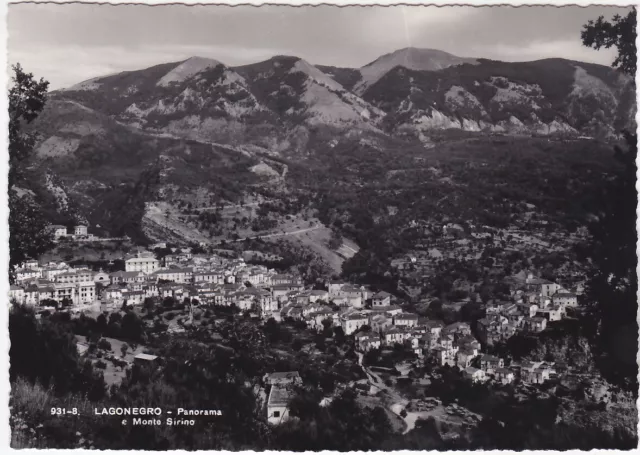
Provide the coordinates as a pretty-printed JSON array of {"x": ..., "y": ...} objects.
[
  {"x": 504, "y": 375},
  {"x": 278, "y": 404},
  {"x": 80, "y": 230},
  {"x": 353, "y": 322},
  {"x": 380, "y": 322},
  {"x": 475, "y": 374},
  {"x": 381, "y": 299},
  {"x": 542, "y": 287},
  {"x": 536, "y": 372},
  {"x": 282, "y": 378},
  {"x": 58, "y": 231},
  {"x": 211, "y": 276},
  {"x": 464, "y": 358},
  {"x": 147, "y": 265},
  {"x": 183, "y": 276},
  {"x": 127, "y": 277},
  {"x": 367, "y": 341},
  {"x": 535, "y": 325},
  {"x": 489, "y": 363},
  {"x": 434, "y": 328},
  {"x": 393, "y": 335},
  {"x": 75, "y": 276},
  {"x": 147, "y": 360},
  {"x": 85, "y": 292},
  {"x": 27, "y": 274},
  {"x": 565, "y": 299},
  {"x": 457, "y": 329},
  {"x": 82, "y": 349},
  {"x": 552, "y": 313},
  {"x": 334, "y": 288},
  {"x": 16, "y": 293},
  {"x": 528, "y": 309},
  {"x": 444, "y": 356},
  {"x": 112, "y": 293},
  {"x": 405, "y": 320},
  {"x": 133, "y": 297}
]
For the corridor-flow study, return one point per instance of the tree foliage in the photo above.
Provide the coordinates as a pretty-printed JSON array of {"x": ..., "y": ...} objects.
[
  {"x": 613, "y": 283},
  {"x": 619, "y": 33},
  {"x": 28, "y": 230}
]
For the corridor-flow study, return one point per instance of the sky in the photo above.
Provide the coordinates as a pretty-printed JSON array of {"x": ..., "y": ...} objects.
[{"x": 69, "y": 43}]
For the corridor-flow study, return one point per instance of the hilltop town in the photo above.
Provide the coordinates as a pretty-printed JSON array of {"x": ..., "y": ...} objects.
[{"x": 375, "y": 323}]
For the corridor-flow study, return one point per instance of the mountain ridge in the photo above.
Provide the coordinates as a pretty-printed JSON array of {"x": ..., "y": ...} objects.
[{"x": 198, "y": 126}]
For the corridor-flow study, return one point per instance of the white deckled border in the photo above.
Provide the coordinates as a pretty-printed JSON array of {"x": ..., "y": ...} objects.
[{"x": 4, "y": 212}]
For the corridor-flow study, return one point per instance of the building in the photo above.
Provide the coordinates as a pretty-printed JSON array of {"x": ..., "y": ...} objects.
[
  {"x": 536, "y": 372},
  {"x": 147, "y": 360},
  {"x": 16, "y": 293},
  {"x": 475, "y": 374},
  {"x": 211, "y": 276},
  {"x": 405, "y": 320},
  {"x": 353, "y": 322},
  {"x": 27, "y": 274},
  {"x": 80, "y": 230},
  {"x": 278, "y": 404},
  {"x": 367, "y": 341},
  {"x": 490, "y": 364},
  {"x": 465, "y": 357},
  {"x": 504, "y": 375},
  {"x": 444, "y": 356},
  {"x": 381, "y": 299},
  {"x": 146, "y": 265},
  {"x": 282, "y": 378},
  {"x": 74, "y": 276},
  {"x": 102, "y": 278},
  {"x": 85, "y": 292},
  {"x": 565, "y": 299},
  {"x": 58, "y": 231},
  {"x": 537, "y": 324},
  {"x": 176, "y": 275}
]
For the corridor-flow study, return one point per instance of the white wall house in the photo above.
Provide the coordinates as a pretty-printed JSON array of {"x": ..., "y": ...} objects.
[{"x": 142, "y": 264}]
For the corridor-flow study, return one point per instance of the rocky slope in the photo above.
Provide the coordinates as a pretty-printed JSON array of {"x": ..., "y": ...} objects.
[{"x": 198, "y": 124}]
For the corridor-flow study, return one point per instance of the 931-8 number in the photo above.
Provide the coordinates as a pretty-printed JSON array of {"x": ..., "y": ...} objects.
[{"x": 63, "y": 411}]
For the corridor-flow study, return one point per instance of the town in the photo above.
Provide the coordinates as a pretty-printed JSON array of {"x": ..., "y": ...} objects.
[{"x": 373, "y": 319}]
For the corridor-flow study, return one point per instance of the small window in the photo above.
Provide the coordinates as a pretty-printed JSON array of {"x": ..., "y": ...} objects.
[{"x": 276, "y": 413}]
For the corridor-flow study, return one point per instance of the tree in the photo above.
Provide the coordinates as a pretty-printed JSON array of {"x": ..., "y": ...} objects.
[
  {"x": 619, "y": 33},
  {"x": 335, "y": 241},
  {"x": 613, "y": 283},
  {"x": 29, "y": 233}
]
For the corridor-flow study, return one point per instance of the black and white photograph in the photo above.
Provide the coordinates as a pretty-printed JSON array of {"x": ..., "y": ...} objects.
[{"x": 307, "y": 228}]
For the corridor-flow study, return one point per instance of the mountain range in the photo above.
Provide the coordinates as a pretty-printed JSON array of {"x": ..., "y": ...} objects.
[{"x": 201, "y": 122}]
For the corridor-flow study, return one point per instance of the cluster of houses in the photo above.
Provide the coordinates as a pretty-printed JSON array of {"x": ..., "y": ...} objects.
[
  {"x": 57, "y": 282},
  {"x": 79, "y": 232},
  {"x": 210, "y": 279},
  {"x": 535, "y": 303}
]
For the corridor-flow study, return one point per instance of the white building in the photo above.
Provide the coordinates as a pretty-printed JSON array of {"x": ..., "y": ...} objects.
[
  {"x": 58, "y": 231},
  {"x": 80, "y": 230},
  {"x": 142, "y": 264},
  {"x": 16, "y": 293},
  {"x": 353, "y": 322}
]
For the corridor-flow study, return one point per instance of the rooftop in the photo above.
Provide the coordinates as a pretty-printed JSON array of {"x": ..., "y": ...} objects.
[{"x": 279, "y": 396}]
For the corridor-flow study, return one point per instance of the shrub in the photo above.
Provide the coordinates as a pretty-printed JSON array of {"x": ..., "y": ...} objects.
[{"x": 104, "y": 345}]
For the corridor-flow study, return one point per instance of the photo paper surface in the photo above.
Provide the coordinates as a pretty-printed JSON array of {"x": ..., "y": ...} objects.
[{"x": 306, "y": 228}]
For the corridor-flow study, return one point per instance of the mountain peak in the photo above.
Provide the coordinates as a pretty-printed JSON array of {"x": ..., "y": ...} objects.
[
  {"x": 188, "y": 69},
  {"x": 413, "y": 58}
]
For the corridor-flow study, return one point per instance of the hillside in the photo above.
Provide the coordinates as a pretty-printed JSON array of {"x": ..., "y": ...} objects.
[
  {"x": 544, "y": 97},
  {"x": 284, "y": 128}
]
